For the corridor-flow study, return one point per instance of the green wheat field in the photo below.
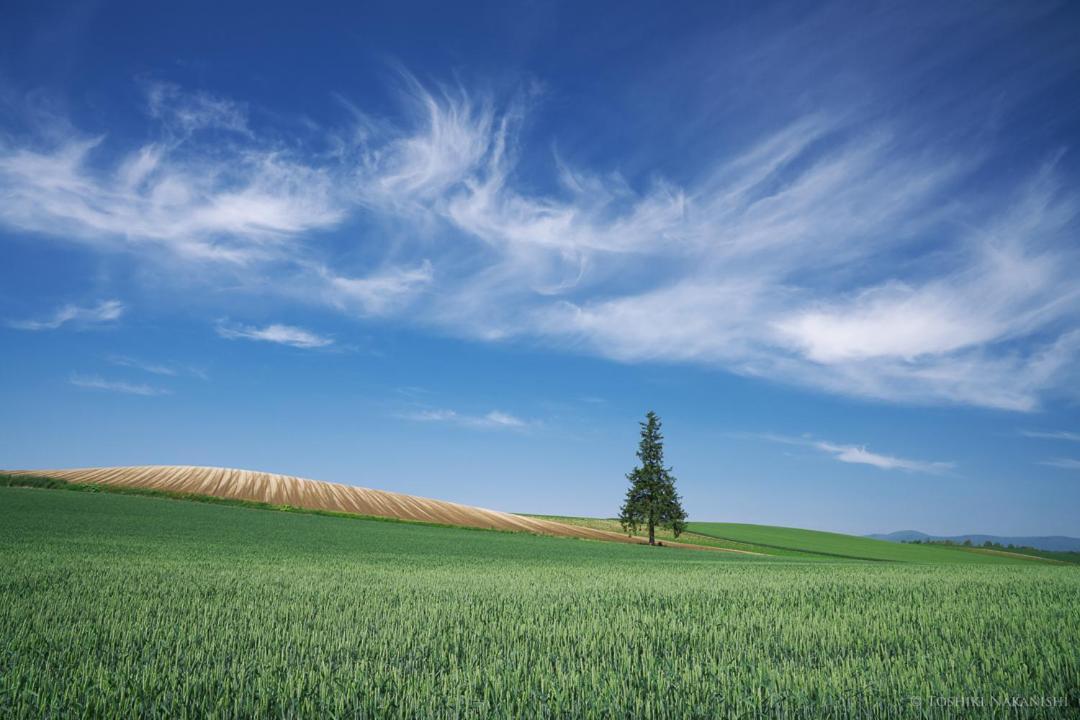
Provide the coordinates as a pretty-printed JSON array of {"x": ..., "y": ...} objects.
[{"x": 126, "y": 606}]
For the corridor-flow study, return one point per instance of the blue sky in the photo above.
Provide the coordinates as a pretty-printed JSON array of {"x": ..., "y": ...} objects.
[{"x": 460, "y": 252}]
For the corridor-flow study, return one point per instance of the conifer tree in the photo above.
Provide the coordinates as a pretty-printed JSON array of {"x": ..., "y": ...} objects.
[{"x": 651, "y": 499}]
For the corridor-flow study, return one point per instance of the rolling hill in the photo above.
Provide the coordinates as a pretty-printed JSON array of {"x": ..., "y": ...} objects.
[
  {"x": 301, "y": 493},
  {"x": 315, "y": 495},
  {"x": 798, "y": 544},
  {"x": 850, "y": 547}
]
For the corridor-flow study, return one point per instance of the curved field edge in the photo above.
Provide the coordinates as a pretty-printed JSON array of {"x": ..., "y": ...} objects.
[
  {"x": 852, "y": 547},
  {"x": 735, "y": 538},
  {"x": 805, "y": 544},
  {"x": 119, "y": 606},
  {"x": 287, "y": 491},
  {"x": 45, "y": 482},
  {"x": 29, "y": 480},
  {"x": 668, "y": 538}
]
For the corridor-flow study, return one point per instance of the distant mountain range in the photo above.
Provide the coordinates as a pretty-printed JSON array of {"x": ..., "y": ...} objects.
[{"x": 1058, "y": 543}]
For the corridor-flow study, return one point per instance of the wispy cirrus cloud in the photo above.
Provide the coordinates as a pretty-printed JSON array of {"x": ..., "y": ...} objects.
[
  {"x": 860, "y": 455},
  {"x": 747, "y": 269},
  {"x": 379, "y": 292},
  {"x": 165, "y": 369},
  {"x": 199, "y": 207},
  {"x": 828, "y": 254},
  {"x": 1063, "y": 463},
  {"x": 105, "y": 311},
  {"x": 152, "y": 368},
  {"x": 95, "y": 382},
  {"x": 274, "y": 333},
  {"x": 1052, "y": 435},
  {"x": 495, "y": 419},
  {"x": 184, "y": 113}
]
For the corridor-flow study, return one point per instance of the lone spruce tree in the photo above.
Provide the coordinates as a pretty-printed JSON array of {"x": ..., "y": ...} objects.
[{"x": 651, "y": 500}]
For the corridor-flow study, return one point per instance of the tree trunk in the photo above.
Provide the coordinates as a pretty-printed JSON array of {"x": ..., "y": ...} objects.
[{"x": 652, "y": 534}]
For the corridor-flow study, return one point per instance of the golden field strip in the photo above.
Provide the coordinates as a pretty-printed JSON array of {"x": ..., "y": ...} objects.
[{"x": 298, "y": 492}]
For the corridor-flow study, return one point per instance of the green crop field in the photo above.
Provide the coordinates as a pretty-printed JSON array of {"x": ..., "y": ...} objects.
[
  {"x": 814, "y": 544},
  {"x": 126, "y": 606},
  {"x": 844, "y": 546}
]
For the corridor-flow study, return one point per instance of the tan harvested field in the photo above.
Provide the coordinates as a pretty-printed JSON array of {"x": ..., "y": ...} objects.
[{"x": 317, "y": 495}]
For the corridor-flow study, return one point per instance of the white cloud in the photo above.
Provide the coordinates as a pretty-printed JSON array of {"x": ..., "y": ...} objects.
[
  {"x": 153, "y": 368},
  {"x": 758, "y": 281},
  {"x": 275, "y": 333},
  {"x": 1052, "y": 435},
  {"x": 104, "y": 312},
  {"x": 453, "y": 135},
  {"x": 187, "y": 113},
  {"x": 200, "y": 201},
  {"x": 501, "y": 419},
  {"x": 493, "y": 420},
  {"x": 852, "y": 262},
  {"x": 862, "y": 456},
  {"x": 1063, "y": 463},
  {"x": 95, "y": 382},
  {"x": 378, "y": 293},
  {"x": 859, "y": 455},
  {"x": 165, "y": 369}
]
